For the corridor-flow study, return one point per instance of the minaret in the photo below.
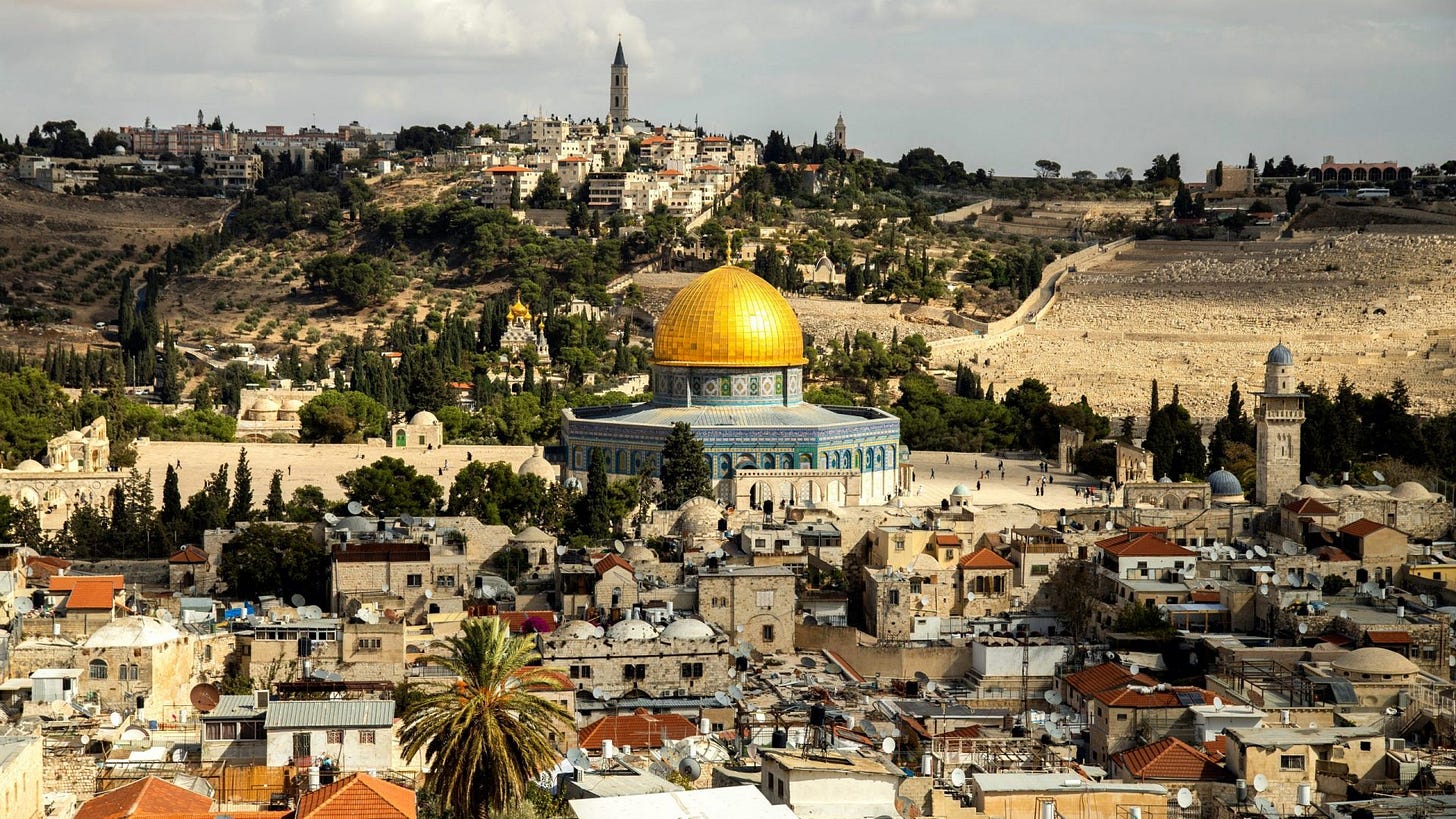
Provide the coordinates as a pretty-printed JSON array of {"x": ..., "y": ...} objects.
[
  {"x": 1277, "y": 420},
  {"x": 839, "y": 132},
  {"x": 618, "y": 110}
]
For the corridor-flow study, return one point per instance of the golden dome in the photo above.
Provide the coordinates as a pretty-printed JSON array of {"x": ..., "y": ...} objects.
[
  {"x": 519, "y": 311},
  {"x": 729, "y": 317}
]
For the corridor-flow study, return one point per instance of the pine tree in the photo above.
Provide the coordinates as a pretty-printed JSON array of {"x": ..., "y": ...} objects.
[
  {"x": 169, "y": 381},
  {"x": 684, "y": 468},
  {"x": 242, "y": 506},
  {"x": 274, "y": 508},
  {"x": 171, "y": 497}
]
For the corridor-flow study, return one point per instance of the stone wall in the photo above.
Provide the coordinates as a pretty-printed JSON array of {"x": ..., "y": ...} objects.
[
  {"x": 65, "y": 771},
  {"x": 889, "y": 661}
]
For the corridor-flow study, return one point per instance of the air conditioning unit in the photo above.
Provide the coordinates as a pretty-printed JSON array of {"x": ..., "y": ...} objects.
[
  {"x": 260, "y": 700},
  {"x": 1397, "y": 744}
]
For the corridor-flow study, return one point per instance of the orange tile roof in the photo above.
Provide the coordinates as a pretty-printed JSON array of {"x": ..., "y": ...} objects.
[
  {"x": 1101, "y": 677},
  {"x": 715, "y": 139},
  {"x": 89, "y": 592},
  {"x": 653, "y": 140},
  {"x": 508, "y": 169},
  {"x": 965, "y": 731},
  {"x": 69, "y": 581},
  {"x": 144, "y": 797},
  {"x": 1389, "y": 637},
  {"x": 670, "y": 172},
  {"x": 946, "y": 539},
  {"x": 639, "y": 730},
  {"x": 985, "y": 559},
  {"x": 612, "y": 560},
  {"x": 1331, "y": 554},
  {"x": 43, "y": 568},
  {"x": 1173, "y": 759},
  {"x": 1361, "y": 528},
  {"x": 1216, "y": 748},
  {"x": 713, "y": 168},
  {"x": 572, "y": 159},
  {"x": 1145, "y": 545},
  {"x": 1128, "y": 698},
  {"x": 357, "y": 796},
  {"x": 545, "y": 621},
  {"x": 189, "y": 554},
  {"x": 1309, "y": 506}
]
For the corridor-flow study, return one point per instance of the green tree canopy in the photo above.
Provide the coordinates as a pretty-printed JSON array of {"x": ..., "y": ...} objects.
[
  {"x": 389, "y": 486},
  {"x": 279, "y": 560},
  {"x": 685, "y": 472},
  {"x": 341, "y": 416}
]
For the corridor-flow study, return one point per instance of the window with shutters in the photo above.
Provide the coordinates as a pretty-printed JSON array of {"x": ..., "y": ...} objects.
[
  {"x": 765, "y": 599},
  {"x": 366, "y": 736},
  {"x": 335, "y": 736}
]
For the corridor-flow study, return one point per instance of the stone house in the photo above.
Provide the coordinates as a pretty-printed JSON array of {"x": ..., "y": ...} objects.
[
  {"x": 616, "y": 585},
  {"x": 1174, "y": 764},
  {"x": 413, "y": 578},
  {"x": 753, "y": 603},
  {"x": 984, "y": 584},
  {"x": 83, "y": 604},
  {"x": 1290, "y": 757},
  {"x": 1299, "y": 518},
  {"x": 1080, "y": 687},
  {"x": 190, "y": 570},
  {"x": 422, "y": 431},
  {"x": 1381, "y": 549},
  {"x": 21, "y": 777},
  {"x": 1124, "y": 718},
  {"x": 1144, "y": 553},
  {"x": 356, "y": 734},
  {"x": 908, "y": 604},
  {"x": 362, "y": 652},
  {"x": 832, "y": 785},
  {"x": 233, "y": 730},
  {"x": 687, "y": 657}
]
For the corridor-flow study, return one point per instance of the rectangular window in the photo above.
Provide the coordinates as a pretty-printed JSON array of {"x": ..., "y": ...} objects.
[
  {"x": 414, "y": 581},
  {"x": 1365, "y": 746},
  {"x": 366, "y": 737},
  {"x": 768, "y": 634},
  {"x": 916, "y": 585},
  {"x": 445, "y": 581},
  {"x": 335, "y": 736},
  {"x": 893, "y": 597},
  {"x": 370, "y": 644},
  {"x": 302, "y": 744},
  {"x": 765, "y": 599},
  {"x": 1040, "y": 570},
  {"x": 692, "y": 671},
  {"x": 1291, "y": 762},
  {"x": 1122, "y": 717},
  {"x": 580, "y": 672}
]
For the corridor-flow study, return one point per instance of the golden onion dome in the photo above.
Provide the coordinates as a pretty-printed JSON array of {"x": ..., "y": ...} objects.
[
  {"x": 729, "y": 317},
  {"x": 520, "y": 311}
]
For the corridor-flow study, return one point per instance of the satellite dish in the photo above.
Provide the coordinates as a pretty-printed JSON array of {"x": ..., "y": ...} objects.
[
  {"x": 204, "y": 697},
  {"x": 560, "y": 549},
  {"x": 1248, "y": 554},
  {"x": 738, "y": 629},
  {"x": 958, "y": 778},
  {"x": 1344, "y": 614},
  {"x": 1134, "y": 669},
  {"x": 1218, "y": 703},
  {"x": 888, "y": 746},
  {"x": 617, "y": 546},
  {"x": 1261, "y": 783},
  {"x": 429, "y": 593},
  {"x": 23, "y": 605},
  {"x": 115, "y": 719},
  {"x": 1259, "y": 550},
  {"x": 690, "y": 768},
  {"x": 85, "y": 740},
  {"x": 599, "y": 693},
  {"x": 1185, "y": 798},
  {"x": 970, "y": 595},
  {"x": 1451, "y": 661},
  {"x": 1193, "y": 658},
  {"x": 1291, "y": 548},
  {"x": 930, "y": 687},
  {"x": 297, "y": 600},
  {"x": 1303, "y": 628},
  {"x": 1314, "y": 581},
  {"x": 1428, "y": 601},
  {"x": 1053, "y": 696},
  {"x": 1391, "y": 710},
  {"x": 1107, "y": 526},
  {"x": 807, "y": 662},
  {"x": 578, "y": 759},
  {"x": 355, "y": 507},
  {"x": 407, "y": 519},
  {"x": 921, "y": 677},
  {"x": 163, "y": 615},
  {"x": 1292, "y": 579},
  {"x": 734, "y": 692},
  {"x": 722, "y": 699},
  {"x": 1263, "y": 588},
  {"x": 330, "y": 518},
  {"x": 599, "y": 633},
  {"x": 1378, "y": 476}
]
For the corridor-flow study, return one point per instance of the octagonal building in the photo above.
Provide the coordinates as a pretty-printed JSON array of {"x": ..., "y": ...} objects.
[{"x": 728, "y": 359}]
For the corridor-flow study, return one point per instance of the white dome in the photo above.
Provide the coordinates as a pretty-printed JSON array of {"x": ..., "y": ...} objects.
[
  {"x": 576, "y": 630},
  {"x": 688, "y": 629},
  {"x": 960, "y": 491},
  {"x": 424, "y": 418},
  {"x": 632, "y": 630},
  {"x": 698, "y": 516},
  {"x": 531, "y": 534},
  {"x": 538, "y": 465},
  {"x": 1411, "y": 491},
  {"x": 74, "y": 435},
  {"x": 292, "y": 405},
  {"x": 132, "y": 631},
  {"x": 628, "y": 130},
  {"x": 29, "y": 465},
  {"x": 637, "y": 554},
  {"x": 264, "y": 404},
  {"x": 1308, "y": 490},
  {"x": 1372, "y": 660}
]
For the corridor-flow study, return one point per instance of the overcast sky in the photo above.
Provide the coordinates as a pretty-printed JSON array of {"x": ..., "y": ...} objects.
[{"x": 998, "y": 85}]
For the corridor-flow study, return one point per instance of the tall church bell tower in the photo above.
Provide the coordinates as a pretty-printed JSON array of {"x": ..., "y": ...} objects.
[
  {"x": 1277, "y": 421},
  {"x": 618, "y": 111}
]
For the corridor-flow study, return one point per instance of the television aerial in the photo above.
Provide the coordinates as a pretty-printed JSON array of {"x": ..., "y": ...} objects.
[{"x": 957, "y": 778}]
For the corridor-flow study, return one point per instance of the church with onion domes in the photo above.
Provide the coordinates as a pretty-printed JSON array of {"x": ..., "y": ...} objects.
[{"x": 728, "y": 360}]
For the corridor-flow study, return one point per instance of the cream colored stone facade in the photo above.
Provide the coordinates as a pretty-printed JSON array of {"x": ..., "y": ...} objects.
[{"x": 761, "y": 600}]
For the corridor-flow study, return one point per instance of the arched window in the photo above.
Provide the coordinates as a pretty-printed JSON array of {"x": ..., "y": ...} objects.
[{"x": 98, "y": 669}]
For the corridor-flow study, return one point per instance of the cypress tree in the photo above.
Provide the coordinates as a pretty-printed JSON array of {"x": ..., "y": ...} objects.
[
  {"x": 1153, "y": 404},
  {"x": 242, "y": 506},
  {"x": 274, "y": 508},
  {"x": 684, "y": 467},
  {"x": 171, "y": 497},
  {"x": 597, "y": 510}
]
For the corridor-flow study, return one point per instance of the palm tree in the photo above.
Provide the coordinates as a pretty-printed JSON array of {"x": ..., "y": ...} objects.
[{"x": 485, "y": 734}]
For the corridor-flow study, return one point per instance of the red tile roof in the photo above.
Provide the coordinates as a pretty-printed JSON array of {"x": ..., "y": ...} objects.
[
  {"x": 1331, "y": 554},
  {"x": 88, "y": 592},
  {"x": 1172, "y": 759},
  {"x": 1144, "y": 545},
  {"x": 670, "y": 172},
  {"x": 545, "y": 621},
  {"x": 572, "y": 159},
  {"x": 1204, "y": 596},
  {"x": 963, "y": 732},
  {"x": 1389, "y": 637},
  {"x": 508, "y": 169},
  {"x": 985, "y": 559},
  {"x": 639, "y": 730},
  {"x": 609, "y": 561},
  {"x": 714, "y": 168},
  {"x": 188, "y": 555},
  {"x": 44, "y": 567},
  {"x": 144, "y": 797},
  {"x": 1361, "y": 528},
  {"x": 715, "y": 139},
  {"x": 1101, "y": 677},
  {"x": 1216, "y": 748},
  {"x": 357, "y": 796},
  {"x": 946, "y": 539},
  {"x": 1309, "y": 506},
  {"x": 1128, "y": 698}
]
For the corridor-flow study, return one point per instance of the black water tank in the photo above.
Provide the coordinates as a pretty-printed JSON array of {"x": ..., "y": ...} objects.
[
  {"x": 816, "y": 715},
  {"x": 780, "y": 738}
]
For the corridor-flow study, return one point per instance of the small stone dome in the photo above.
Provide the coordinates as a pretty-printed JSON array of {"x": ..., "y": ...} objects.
[
  {"x": 960, "y": 491},
  {"x": 632, "y": 630},
  {"x": 74, "y": 435},
  {"x": 1308, "y": 490},
  {"x": 638, "y": 554},
  {"x": 1411, "y": 491},
  {"x": 1280, "y": 355},
  {"x": 538, "y": 465},
  {"x": 698, "y": 516},
  {"x": 424, "y": 418},
  {"x": 1224, "y": 484},
  {"x": 291, "y": 405},
  {"x": 532, "y": 534},
  {"x": 1165, "y": 479},
  {"x": 132, "y": 632},
  {"x": 29, "y": 465},
  {"x": 576, "y": 630},
  {"x": 1372, "y": 661},
  {"x": 688, "y": 629},
  {"x": 264, "y": 404},
  {"x": 628, "y": 131}
]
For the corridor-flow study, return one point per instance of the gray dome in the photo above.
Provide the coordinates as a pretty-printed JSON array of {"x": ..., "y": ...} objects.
[
  {"x": 532, "y": 534},
  {"x": 1165, "y": 479},
  {"x": 538, "y": 466},
  {"x": 1280, "y": 355},
  {"x": 1410, "y": 490},
  {"x": 576, "y": 630},
  {"x": 960, "y": 491},
  {"x": 1224, "y": 483},
  {"x": 632, "y": 630},
  {"x": 688, "y": 629}
]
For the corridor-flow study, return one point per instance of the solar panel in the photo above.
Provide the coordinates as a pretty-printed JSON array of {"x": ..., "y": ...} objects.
[{"x": 1190, "y": 697}]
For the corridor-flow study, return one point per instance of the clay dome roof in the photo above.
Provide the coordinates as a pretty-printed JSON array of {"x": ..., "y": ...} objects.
[
  {"x": 1280, "y": 355},
  {"x": 292, "y": 405},
  {"x": 538, "y": 465},
  {"x": 688, "y": 629},
  {"x": 576, "y": 630},
  {"x": 1308, "y": 490},
  {"x": 424, "y": 418},
  {"x": 632, "y": 630},
  {"x": 132, "y": 632},
  {"x": 1372, "y": 660},
  {"x": 1410, "y": 490},
  {"x": 637, "y": 554},
  {"x": 29, "y": 465},
  {"x": 532, "y": 534},
  {"x": 960, "y": 491},
  {"x": 698, "y": 516},
  {"x": 1224, "y": 484},
  {"x": 729, "y": 317},
  {"x": 264, "y": 404}
]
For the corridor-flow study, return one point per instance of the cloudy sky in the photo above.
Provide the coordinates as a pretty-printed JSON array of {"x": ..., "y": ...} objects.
[{"x": 1092, "y": 84}]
